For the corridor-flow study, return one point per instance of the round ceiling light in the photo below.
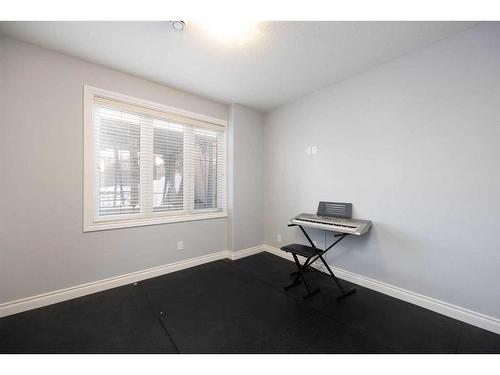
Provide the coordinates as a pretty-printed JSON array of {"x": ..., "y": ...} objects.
[
  {"x": 178, "y": 25},
  {"x": 230, "y": 31}
]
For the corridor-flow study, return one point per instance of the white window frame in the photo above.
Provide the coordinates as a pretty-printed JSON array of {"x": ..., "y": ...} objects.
[{"x": 90, "y": 220}]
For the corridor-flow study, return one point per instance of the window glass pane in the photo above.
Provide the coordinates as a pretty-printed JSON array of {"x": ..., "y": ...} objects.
[
  {"x": 168, "y": 181},
  {"x": 205, "y": 169},
  {"x": 118, "y": 176}
]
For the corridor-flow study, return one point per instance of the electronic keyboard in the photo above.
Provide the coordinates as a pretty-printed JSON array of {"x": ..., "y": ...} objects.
[{"x": 335, "y": 224}]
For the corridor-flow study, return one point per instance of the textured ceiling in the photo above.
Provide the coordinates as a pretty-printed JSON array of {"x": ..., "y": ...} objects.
[{"x": 284, "y": 61}]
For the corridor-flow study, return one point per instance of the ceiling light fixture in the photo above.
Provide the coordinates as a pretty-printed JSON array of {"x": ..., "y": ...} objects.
[
  {"x": 232, "y": 31},
  {"x": 178, "y": 25}
]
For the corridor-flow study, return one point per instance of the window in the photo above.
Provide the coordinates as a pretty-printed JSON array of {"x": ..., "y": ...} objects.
[{"x": 150, "y": 164}]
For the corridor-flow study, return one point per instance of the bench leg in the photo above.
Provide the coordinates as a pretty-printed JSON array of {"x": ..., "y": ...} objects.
[
  {"x": 296, "y": 280},
  {"x": 310, "y": 294},
  {"x": 305, "y": 267},
  {"x": 294, "y": 283},
  {"x": 301, "y": 276}
]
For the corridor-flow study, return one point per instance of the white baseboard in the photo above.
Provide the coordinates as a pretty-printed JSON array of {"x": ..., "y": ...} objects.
[
  {"x": 233, "y": 255},
  {"x": 45, "y": 299},
  {"x": 471, "y": 317},
  {"x": 50, "y": 298},
  {"x": 456, "y": 312}
]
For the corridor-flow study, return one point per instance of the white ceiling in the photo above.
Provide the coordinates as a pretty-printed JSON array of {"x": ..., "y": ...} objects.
[{"x": 286, "y": 60}]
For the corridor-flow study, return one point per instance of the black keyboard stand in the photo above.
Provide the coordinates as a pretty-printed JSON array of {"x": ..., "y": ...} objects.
[{"x": 312, "y": 253}]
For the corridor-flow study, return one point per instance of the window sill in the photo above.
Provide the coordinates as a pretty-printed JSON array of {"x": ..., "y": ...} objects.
[{"x": 128, "y": 223}]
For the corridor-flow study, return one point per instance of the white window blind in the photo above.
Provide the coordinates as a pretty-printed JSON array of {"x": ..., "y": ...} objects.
[{"x": 153, "y": 166}]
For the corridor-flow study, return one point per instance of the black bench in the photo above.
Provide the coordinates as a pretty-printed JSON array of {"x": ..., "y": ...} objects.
[{"x": 311, "y": 253}]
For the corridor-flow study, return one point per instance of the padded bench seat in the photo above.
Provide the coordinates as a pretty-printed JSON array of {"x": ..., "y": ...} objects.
[{"x": 302, "y": 250}]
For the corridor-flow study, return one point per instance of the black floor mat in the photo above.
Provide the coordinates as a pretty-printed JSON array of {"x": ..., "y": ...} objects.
[
  {"x": 405, "y": 327},
  {"x": 238, "y": 307},
  {"x": 118, "y": 320},
  {"x": 258, "y": 319}
]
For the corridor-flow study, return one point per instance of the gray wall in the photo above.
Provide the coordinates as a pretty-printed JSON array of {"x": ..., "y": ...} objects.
[
  {"x": 414, "y": 144},
  {"x": 42, "y": 247},
  {"x": 246, "y": 188}
]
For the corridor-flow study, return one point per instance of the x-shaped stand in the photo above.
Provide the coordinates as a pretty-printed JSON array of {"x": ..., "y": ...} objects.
[{"x": 301, "y": 269}]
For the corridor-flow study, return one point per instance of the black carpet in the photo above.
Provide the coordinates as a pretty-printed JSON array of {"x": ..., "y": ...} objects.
[{"x": 238, "y": 307}]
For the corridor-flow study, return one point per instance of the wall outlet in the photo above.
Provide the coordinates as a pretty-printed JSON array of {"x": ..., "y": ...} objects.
[
  {"x": 314, "y": 149},
  {"x": 278, "y": 237},
  {"x": 180, "y": 245}
]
